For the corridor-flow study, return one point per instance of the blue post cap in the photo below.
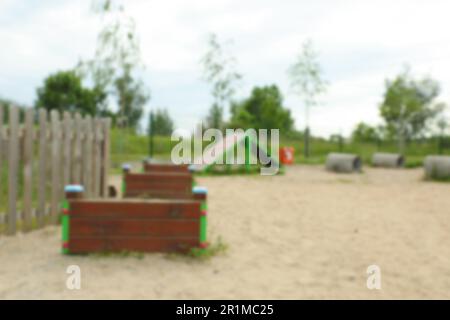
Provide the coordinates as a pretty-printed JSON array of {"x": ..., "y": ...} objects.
[
  {"x": 126, "y": 166},
  {"x": 199, "y": 190},
  {"x": 73, "y": 188}
]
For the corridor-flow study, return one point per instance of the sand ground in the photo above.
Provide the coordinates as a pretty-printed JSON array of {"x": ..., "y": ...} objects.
[{"x": 307, "y": 234}]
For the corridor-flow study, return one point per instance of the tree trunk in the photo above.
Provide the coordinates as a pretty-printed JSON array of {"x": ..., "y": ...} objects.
[{"x": 306, "y": 142}]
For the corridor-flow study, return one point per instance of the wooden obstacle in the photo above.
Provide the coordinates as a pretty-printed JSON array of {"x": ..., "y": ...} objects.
[
  {"x": 150, "y": 167},
  {"x": 105, "y": 225},
  {"x": 165, "y": 185}
]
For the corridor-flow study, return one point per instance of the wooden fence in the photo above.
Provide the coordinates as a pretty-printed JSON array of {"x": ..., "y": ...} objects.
[{"x": 40, "y": 152}]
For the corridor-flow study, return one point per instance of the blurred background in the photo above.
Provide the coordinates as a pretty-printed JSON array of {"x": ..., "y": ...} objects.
[{"x": 343, "y": 76}]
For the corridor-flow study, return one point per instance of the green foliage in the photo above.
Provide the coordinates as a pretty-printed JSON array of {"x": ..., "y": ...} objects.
[
  {"x": 132, "y": 97},
  {"x": 214, "y": 118},
  {"x": 415, "y": 151},
  {"x": 4, "y": 102},
  {"x": 117, "y": 62},
  {"x": 366, "y": 133},
  {"x": 409, "y": 105},
  {"x": 63, "y": 91},
  {"x": 215, "y": 248},
  {"x": 162, "y": 123},
  {"x": 219, "y": 71},
  {"x": 306, "y": 76},
  {"x": 306, "y": 81},
  {"x": 262, "y": 110}
]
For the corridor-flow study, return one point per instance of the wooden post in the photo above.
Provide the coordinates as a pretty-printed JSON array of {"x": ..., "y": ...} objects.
[
  {"x": 67, "y": 148},
  {"x": 106, "y": 156},
  {"x": 2, "y": 151},
  {"x": 247, "y": 153},
  {"x": 150, "y": 135},
  {"x": 71, "y": 192},
  {"x": 98, "y": 137},
  {"x": 201, "y": 193},
  {"x": 77, "y": 162},
  {"x": 13, "y": 168},
  {"x": 55, "y": 195},
  {"x": 42, "y": 180},
  {"x": 126, "y": 169},
  {"x": 28, "y": 169},
  {"x": 87, "y": 156}
]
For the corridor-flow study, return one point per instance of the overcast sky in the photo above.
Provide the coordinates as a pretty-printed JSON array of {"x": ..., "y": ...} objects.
[{"x": 361, "y": 43}]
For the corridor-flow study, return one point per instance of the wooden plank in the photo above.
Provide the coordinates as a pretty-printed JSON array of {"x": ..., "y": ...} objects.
[
  {"x": 77, "y": 152},
  {"x": 13, "y": 168},
  {"x": 55, "y": 169},
  {"x": 135, "y": 209},
  {"x": 67, "y": 135},
  {"x": 157, "y": 185},
  {"x": 106, "y": 156},
  {"x": 156, "y": 194},
  {"x": 177, "y": 178},
  {"x": 87, "y": 157},
  {"x": 91, "y": 227},
  {"x": 87, "y": 245},
  {"x": 2, "y": 150},
  {"x": 161, "y": 168},
  {"x": 97, "y": 154},
  {"x": 28, "y": 169},
  {"x": 152, "y": 185},
  {"x": 42, "y": 179}
]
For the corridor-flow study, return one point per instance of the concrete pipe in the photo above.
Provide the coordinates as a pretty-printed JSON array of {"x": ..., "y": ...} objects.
[
  {"x": 437, "y": 167},
  {"x": 342, "y": 162},
  {"x": 388, "y": 160}
]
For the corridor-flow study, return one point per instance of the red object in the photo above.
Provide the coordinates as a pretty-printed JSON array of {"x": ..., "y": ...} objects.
[
  {"x": 111, "y": 225},
  {"x": 287, "y": 155},
  {"x": 204, "y": 245}
]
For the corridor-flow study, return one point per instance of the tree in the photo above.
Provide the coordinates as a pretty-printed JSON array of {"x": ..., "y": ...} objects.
[
  {"x": 365, "y": 133},
  {"x": 162, "y": 123},
  {"x": 131, "y": 97},
  {"x": 117, "y": 62},
  {"x": 6, "y": 103},
  {"x": 262, "y": 110},
  {"x": 219, "y": 71},
  {"x": 409, "y": 105},
  {"x": 63, "y": 91},
  {"x": 307, "y": 82}
]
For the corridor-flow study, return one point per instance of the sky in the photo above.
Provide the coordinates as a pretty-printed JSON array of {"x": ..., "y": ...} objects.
[{"x": 361, "y": 44}]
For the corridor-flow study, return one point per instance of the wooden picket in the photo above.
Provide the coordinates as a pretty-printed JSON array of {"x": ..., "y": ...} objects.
[
  {"x": 42, "y": 185},
  {"x": 2, "y": 152},
  {"x": 28, "y": 170},
  {"x": 13, "y": 160},
  {"x": 40, "y": 152}
]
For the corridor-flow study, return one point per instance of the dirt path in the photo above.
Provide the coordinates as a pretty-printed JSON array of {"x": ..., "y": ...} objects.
[{"x": 308, "y": 234}]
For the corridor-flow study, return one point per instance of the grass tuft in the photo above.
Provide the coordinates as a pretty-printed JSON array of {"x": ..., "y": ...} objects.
[{"x": 214, "y": 249}]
